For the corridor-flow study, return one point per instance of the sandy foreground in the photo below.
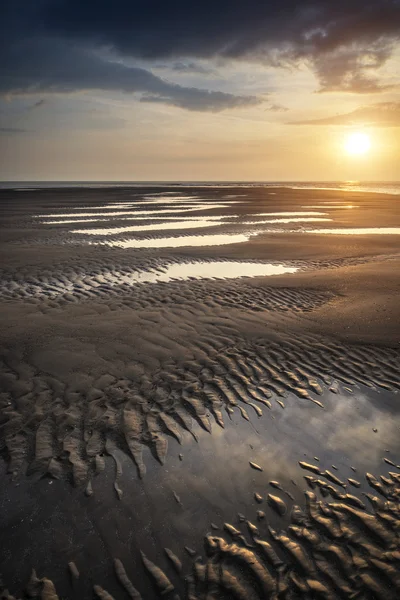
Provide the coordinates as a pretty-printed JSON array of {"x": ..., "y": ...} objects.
[{"x": 168, "y": 428}]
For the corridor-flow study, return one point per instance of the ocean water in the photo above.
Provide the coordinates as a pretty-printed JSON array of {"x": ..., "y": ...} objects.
[{"x": 384, "y": 187}]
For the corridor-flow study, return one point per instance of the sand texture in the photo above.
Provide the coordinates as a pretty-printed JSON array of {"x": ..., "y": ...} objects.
[{"x": 168, "y": 433}]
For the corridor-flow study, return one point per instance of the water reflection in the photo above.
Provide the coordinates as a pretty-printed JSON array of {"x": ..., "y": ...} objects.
[
  {"x": 202, "y": 483},
  {"x": 222, "y": 270},
  {"x": 212, "y": 480},
  {"x": 358, "y": 231},
  {"x": 161, "y": 199},
  {"x": 107, "y": 206},
  {"x": 334, "y": 206},
  {"x": 290, "y": 214},
  {"x": 77, "y": 220},
  {"x": 201, "y": 270},
  {"x": 288, "y": 220},
  {"x": 150, "y": 227},
  {"x": 133, "y": 212}
]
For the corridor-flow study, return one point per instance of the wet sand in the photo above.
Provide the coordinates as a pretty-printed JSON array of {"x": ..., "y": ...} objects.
[{"x": 145, "y": 405}]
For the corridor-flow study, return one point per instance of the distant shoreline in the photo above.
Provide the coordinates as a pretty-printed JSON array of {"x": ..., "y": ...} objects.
[{"x": 382, "y": 187}]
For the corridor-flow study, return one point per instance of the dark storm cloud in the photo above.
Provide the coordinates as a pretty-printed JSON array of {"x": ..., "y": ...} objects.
[
  {"x": 383, "y": 114},
  {"x": 55, "y": 65},
  {"x": 200, "y": 100},
  {"x": 12, "y": 130},
  {"x": 343, "y": 41},
  {"x": 38, "y": 104},
  {"x": 352, "y": 70},
  {"x": 191, "y": 67}
]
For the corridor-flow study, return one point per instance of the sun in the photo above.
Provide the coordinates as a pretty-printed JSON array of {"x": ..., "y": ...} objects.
[{"x": 358, "y": 143}]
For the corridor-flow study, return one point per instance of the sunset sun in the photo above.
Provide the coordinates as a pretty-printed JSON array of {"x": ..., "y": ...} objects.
[{"x": 357, "y": 143}]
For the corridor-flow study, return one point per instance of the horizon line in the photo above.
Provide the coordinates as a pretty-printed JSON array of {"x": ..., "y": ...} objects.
[{"x": 156, "y": 181}]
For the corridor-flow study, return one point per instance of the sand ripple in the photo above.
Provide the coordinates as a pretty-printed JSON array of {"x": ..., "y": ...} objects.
[{"x": 64, "y": 426}]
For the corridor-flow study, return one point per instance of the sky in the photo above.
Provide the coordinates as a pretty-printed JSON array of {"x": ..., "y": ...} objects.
[{"x": 158, "y": 90}]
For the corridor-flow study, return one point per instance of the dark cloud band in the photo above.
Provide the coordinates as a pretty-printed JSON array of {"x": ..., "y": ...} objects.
[
  {"x": 54, "y": 65},
  {"x": 57, "y": 44}
]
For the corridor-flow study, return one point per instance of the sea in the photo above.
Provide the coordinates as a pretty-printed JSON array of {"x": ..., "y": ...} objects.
[{"x": 383, "y": 187}]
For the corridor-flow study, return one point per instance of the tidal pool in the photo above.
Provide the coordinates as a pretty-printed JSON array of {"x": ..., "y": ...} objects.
[
  {"x": 150, "y": 227},
  {"x": 358, "y": 231}
]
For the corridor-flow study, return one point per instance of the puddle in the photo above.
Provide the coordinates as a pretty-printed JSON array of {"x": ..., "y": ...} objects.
[
  {"x": 160, "y": 198},
  {"x": 88, "y": 214},
  {"x": 93, "y": 283},
  {"x": 288, "y": 220},
  {"x": 139, "y": 201},
  {"x": 117, "y": 205},
  {"x": 166, "y": 201},
  {"x": 141, "y": 204},
  {"x": 111, "y": 206},
  {"x": 222, "y": 270},
  {"x": 170, "y": 196},
  {"x": 201, "y": 270},
  {"x": 152, "y": 199},
  {"x": 290, "y": 214},
  {"x": 78, "y": 220},
  {"x": 92, "y": 214},
  {"x": 331, "y": 207},
  {"x": 132, "y": 212},
  {"x": 180, "y": 242},
  {"x": 151, "y": 227},
  {"x": 358, "y": 231},
  {"x": 161, "y": 194},
  {"x": 182, "y": 218}
]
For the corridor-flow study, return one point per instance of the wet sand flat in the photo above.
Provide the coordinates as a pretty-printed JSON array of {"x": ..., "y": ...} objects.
[{"x": 208, "y": 418}]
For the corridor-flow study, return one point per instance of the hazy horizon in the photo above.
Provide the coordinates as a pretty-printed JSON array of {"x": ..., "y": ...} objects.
[{"x": 210, "y": 181}]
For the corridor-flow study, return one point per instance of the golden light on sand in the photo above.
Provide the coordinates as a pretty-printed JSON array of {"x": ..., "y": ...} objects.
[{"x": 357, "y": 143}]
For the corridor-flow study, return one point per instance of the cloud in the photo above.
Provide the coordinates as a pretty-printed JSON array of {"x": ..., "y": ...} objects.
[
  {"x": 353, "y": 69},
  {"x": 13, "y": 130},
  {"x": 200, "y": 100},
  {"x": 277, "y": 108},
  {"x": 383, "y": 114},
  {"x": 191, "y": 67},
  {"x": 345, "y": 42},
  {"x": 45, "y": 66},
  {"x": 38, "y": 104}
]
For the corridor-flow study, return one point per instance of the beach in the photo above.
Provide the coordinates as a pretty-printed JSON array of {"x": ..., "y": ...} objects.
[{"x": 200, "y": 392}]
